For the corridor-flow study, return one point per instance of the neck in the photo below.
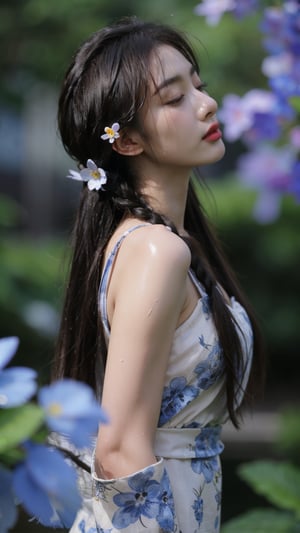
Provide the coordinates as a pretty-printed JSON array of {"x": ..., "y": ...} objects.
[{"x": 166, "y": 193}]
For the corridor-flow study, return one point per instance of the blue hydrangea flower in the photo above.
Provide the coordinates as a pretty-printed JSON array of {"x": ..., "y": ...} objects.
[
  {"x": 144, "y": 500},
  {"x": 8, "y": 510},
  {"x": 45, "y": 484},
  {"x": 166, "y": 513},
  {"x": 17, "y": 384},
  {"x": 176, "y": 396},
  {"x": 72, "y": 410}
]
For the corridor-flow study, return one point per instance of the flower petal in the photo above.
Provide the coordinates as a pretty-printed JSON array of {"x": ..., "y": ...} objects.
[
  {"x": 46, "y": 486},
  {"x": 74, "y": 175},
  {"x": 8, "y": 510},
  {"x": 17, "y": 385},
  {"x": 91, "y": 165},
  {"x": 8, "y": 348},
  {"x": 71, "y": 409}
]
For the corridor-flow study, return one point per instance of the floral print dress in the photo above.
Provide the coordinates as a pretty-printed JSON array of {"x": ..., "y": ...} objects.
[{"x": 181, "y": 492}]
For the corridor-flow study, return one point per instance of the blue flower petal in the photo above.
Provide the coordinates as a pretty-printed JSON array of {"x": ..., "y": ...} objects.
[
  {"x": 71, "y": 409},
  {"x": 33, "y": 499},
  {"x": 8, "y": 348},
  {"x": 8, "y": 510},
  {"x": 17, "y": 385},
  {"x": 46, "y": 485}
]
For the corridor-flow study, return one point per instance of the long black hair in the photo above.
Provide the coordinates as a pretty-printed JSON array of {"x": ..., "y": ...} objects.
[{"x": 108, "y": 82}]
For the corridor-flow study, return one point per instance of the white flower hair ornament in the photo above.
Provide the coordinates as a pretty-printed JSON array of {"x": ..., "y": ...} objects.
[
  {"x": 111, "y": 134},
  {"x": 96, "y": 177}
]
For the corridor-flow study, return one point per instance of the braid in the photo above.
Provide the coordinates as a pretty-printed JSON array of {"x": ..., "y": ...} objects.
[{"x": 81, "y": 343}]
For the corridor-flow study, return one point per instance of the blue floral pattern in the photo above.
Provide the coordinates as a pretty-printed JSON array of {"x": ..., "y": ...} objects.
[
  {"x": 138, "y": 500},
  {"x": 211, "y": 369},
  {"x": 181, "y": 493},
  {"x": 144, "y": 500},
  {"x": 175, "y": 397},
  {"x": 82, "y": 528},
  {"x": 198, "y": 508}
]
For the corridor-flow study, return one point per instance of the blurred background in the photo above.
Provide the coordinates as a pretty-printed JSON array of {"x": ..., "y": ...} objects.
[{"x": 37, "y": 203}]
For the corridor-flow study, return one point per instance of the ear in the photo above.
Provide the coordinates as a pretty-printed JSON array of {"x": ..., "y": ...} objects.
[{"x": 129, "y": 143}]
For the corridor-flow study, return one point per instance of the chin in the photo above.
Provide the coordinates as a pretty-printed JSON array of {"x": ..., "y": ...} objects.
[{"x": 217, "y": 154}]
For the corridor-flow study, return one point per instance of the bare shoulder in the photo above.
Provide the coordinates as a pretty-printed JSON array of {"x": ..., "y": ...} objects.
[{"x": 156, "y": 243}]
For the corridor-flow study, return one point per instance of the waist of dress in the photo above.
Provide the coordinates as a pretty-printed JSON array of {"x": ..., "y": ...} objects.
[{"x": 188, "y": 443}]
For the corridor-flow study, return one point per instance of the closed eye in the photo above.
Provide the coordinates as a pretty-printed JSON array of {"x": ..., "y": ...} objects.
[
  {"x": 202, "y": 86},
  {"x": 175, "y": 101}
]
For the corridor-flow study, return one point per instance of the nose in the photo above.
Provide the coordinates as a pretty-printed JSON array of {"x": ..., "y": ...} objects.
[{"x": 206, "y": 106}]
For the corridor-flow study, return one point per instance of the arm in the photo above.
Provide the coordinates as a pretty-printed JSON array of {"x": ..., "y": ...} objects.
[{"x": 147, "y": 293}]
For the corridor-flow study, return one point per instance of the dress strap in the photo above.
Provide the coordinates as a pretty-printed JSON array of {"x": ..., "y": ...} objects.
[
  {"x": 106, "y": 277},
  {"x": 200, "y": 288}
]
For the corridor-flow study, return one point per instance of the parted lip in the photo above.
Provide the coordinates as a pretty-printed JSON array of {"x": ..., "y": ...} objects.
[{"x": 214, "y": 127}]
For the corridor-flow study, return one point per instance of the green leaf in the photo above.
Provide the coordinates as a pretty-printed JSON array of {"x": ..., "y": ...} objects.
[
  {"x": 261, "y": 521},
  {"x": 295, "y": 102},
  {"x": 12, "y": 456},
  {"x": 279, "y": 482},
  {"x": 18, "y": 424}
]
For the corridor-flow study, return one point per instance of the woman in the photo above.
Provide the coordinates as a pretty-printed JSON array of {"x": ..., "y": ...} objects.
[{"x": 153, "y": 317}]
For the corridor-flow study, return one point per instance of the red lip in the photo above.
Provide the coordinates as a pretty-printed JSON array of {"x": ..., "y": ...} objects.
[{"x": 213, "y": 133}]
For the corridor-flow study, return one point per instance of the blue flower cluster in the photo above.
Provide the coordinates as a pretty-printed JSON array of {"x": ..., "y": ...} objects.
[
  {"x": 40, "y": 478},
  {"x": 267, "y": 121}
]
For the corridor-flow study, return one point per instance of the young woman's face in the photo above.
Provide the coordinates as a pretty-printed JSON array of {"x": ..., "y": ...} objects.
[{"x": 179, "y": 118}]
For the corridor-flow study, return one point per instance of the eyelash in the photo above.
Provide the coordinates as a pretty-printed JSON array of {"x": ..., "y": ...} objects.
[{"x": 176, "y": 101}]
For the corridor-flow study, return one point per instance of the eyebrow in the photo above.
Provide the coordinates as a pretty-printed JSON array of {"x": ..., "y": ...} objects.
[{"x": 173, "y": 79}]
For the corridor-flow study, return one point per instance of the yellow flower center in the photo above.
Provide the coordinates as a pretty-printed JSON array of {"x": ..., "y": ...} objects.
[
  {"x": 110, "y": 132},
  {"x": 55, "y": 409},
  {"x": 95, "y": 174}
]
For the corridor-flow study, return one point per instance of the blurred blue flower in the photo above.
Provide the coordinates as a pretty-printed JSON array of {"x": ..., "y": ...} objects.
[
  {"x": 244, "y": 8},
  {"x": 295, "y": 137},
  {"x": 269, "y": 170},
  {"x": 286, "y": 85},
  {"x": 295, "y": 184},
  {"x": 72, "y": 410},
  {"x": 8, "y": 510},
  {"x": 17, "y": 384},
  {"x": 45, "y": 484},
  {"x": 265, "y": 126},
  {"x": 238, "y": 113},
  {"x": 267, "y": 207},
  {"x": 214, "y": 9},
  {"x": 267, "y": 167},
  {"x": 272, "y": 24}
]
